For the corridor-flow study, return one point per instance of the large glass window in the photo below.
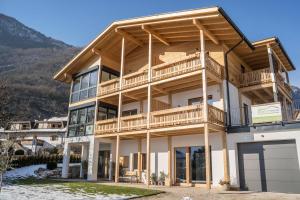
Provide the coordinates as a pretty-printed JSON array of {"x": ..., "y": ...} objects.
[
  {"x": 108, "y": 74},
  {"x": 81, "y": 121},
  {"x": 107, "y": 111},
  {"x": 84, "y": 86}
]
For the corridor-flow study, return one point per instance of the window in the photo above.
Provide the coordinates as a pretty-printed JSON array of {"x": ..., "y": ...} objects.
[
  {"x": 107, "y": 111},
  {"x": 135, "y": 161},
  {"x": 129, "y": 112},
  {"x": 81, "y": 121},
  {"x": 243, "y": 70},
  {"x": 199, "y": 100},
  {"x": 84, "y": 86},
  {"x": 108, "y": 74}
]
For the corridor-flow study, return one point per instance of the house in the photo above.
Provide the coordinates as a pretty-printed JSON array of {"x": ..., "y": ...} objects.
[
  {"x": 34, "y": 135},
  {"x": 172, "y": 93}
]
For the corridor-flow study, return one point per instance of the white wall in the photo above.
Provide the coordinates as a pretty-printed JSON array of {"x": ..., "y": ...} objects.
[
  {"x": 234, "y": 139},
  {"x": 181, "y": 99},
  {"x": 234, "y": 103}
]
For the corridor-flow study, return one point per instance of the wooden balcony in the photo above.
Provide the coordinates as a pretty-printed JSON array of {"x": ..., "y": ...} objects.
[
  {"x": 255, "y": 77},
  {"x": 168, "y": 118},
  {"x": 178, "y": 70},
  {"x": 283, "y": 86},
  {"x": 134, "y": 122},
  {"x": 109, "y": 87}
]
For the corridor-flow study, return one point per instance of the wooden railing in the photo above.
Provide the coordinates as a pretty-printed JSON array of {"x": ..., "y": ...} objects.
[
  {"x": 177, "y": 116},
  {"x": 135, "y": 79},
  {"x": 107, "y": 126},
  {"x": 109, "y": 87},
  {"x": 182, "y": 66},
  {"x": 255, "y": 77},
  {"x": 214, "y": 67},
  {"x": 284, "y": 85},
  {"x": 216, "y": 115},
  {"x": 134, "y": 122}
]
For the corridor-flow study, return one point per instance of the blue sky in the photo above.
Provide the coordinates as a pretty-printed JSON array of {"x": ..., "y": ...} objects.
[{"x": 77, "y": 22}]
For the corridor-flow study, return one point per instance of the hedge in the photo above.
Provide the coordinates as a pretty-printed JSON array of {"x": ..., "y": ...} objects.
[{"x": 22, "y": 161}]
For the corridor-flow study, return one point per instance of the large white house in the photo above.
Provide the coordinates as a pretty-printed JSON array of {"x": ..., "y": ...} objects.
[{"x": 173, "y": 93}]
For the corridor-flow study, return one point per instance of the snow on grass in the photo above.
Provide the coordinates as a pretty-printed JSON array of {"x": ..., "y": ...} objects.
[{"x": 23, "y": 172}]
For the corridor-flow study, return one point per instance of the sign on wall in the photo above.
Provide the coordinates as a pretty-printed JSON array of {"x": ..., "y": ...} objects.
[{"x": 263, "y": 113}]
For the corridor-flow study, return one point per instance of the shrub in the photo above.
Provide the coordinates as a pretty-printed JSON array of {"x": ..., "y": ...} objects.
[
  {"x": 51, "y": 165},
  {"x": 19, "y": 152}
]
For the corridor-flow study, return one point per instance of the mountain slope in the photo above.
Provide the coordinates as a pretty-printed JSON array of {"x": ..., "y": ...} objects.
[{"x": 28, "y": 60}]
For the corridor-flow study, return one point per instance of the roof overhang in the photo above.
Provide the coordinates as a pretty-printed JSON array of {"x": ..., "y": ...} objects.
[
  {"x": 166, "y": 28},
  {"x": 259, "y": 57}
]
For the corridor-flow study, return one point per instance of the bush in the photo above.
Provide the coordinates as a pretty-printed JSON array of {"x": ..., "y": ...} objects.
[
  {"x": 19, "y": 152},
  {"x": 51, "y": 165}
]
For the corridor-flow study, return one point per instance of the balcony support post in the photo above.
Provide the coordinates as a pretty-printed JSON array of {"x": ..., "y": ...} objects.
[
  {"x": 149, "y": 99},
  {"x": 117, "y": 167},
  {"x": 271, "y": 63},
  {"x": 139, "y": 159},
  {"x": 120, "y": 84},
  {"x": 170, "y": 172},
  {"x": 225, "y": 157},
  {"x": 98, "y": 92},
  {"x": 205, "y": 111}
]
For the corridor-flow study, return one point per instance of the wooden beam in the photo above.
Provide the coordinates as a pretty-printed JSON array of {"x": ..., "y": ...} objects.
[
  {"x": 155, "y": 34},
  {"x": 117, "y": 167},
  {"x": 187, "y": 165},
  {"x": 129, "y": 37},
  {"x": 275, "y": 89},
  {"x": 132, "y": 97},
  {"x": 139, "y": 159},
  {"x": 148, "y": 158},
  {"x": 105, "y": 56},
  {"x": 159, "y": 90},
  {"x": 206, "y": 32},
  {"x": 169, "y": 161},
  {"x": 259, "y": 96},
  {"x": 225, "y": 157}
]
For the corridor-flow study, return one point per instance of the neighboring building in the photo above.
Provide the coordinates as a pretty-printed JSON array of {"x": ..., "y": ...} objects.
[
  {"x": 151, "y": 95},
  {"x": 33, "y": 135}
]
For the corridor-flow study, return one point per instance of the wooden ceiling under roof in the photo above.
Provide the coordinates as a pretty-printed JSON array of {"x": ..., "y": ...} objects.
[{"x": 167, "y": 29}]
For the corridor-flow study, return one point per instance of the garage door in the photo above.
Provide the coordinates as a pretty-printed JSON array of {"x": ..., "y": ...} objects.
[{"x": 269, "y": 166}]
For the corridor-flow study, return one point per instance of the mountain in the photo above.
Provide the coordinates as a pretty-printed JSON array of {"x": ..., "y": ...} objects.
[
  {"x": 28, "y": 61},
  {"x": 296, "y": 93}
]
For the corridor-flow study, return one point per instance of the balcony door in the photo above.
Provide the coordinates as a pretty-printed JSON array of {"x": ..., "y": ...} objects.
[{"x": 192, "y": 158}]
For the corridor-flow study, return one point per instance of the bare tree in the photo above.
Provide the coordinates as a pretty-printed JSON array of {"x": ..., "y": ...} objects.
[{"x": 6, "y": 156}]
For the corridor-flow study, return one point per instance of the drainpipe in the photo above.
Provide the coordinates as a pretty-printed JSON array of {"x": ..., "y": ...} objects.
[{"x": 227, "y": 78}]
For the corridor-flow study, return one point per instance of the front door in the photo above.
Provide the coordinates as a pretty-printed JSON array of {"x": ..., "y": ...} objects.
[{"x": 103, "y": 164}]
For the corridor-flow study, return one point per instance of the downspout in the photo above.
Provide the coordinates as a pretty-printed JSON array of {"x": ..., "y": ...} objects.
[{"x": 227, "y": 78}]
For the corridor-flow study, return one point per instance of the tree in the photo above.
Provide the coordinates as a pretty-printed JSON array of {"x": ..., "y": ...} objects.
[
  {"x": 6, "y": 156},
  {"x": 4, "y": 104}
]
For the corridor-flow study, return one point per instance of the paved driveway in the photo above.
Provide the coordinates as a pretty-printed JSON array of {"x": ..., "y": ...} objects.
[{"x": 178, "y": 193}]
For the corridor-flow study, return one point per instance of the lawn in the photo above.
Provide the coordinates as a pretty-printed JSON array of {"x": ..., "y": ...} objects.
[{"x": 86, "y": 187}]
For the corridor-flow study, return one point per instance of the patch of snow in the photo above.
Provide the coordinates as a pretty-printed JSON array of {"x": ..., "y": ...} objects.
[
  {"x": 16, "y": 192},
  {"x": 23, "y": 172}
]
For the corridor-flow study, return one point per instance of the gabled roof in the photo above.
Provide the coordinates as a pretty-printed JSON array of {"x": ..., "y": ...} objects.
[{"x": 167, "y": 28}]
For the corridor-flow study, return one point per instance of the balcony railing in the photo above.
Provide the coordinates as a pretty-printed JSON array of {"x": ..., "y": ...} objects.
[
  {"x": 134, "y": 122},
  {"x": 281, "y": 82},
  {"x": 255, "y": 77},
  {"x": 109, "y": 87},
  {"x": 135, "y": 79},
  {"x": 161, "y": 72},
  {"x": 167, "y": 70},
  {"x": 177, "y": 116},
  {"x": 180, "y": 116},
  {"x": 107, "y": 126}
]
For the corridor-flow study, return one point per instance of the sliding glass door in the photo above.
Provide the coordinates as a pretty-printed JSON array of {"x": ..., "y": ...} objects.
[{"x": 192, "y": 158}]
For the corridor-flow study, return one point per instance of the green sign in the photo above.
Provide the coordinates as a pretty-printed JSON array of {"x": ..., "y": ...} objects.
[{"x": 264, "y": 113}]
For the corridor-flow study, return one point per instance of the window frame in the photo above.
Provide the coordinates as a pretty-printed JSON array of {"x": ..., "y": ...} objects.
[
  {"x": 77, "y": 95},
  {"x": 81, "y": 125}
]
